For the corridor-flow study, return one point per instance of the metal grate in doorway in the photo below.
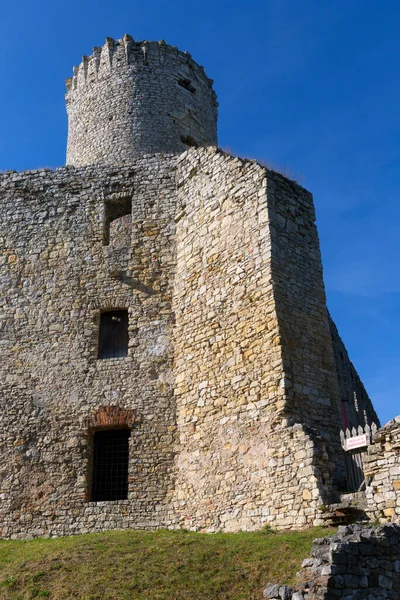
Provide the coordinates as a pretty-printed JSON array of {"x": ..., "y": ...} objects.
[{"x": 110, "y": 465}]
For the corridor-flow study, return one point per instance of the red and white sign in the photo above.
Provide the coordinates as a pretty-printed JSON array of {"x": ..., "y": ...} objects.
[{"x": 357, "y": 442}]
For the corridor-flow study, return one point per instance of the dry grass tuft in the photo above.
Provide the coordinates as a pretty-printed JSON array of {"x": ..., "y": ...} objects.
[{"x": 284, "y": 170}]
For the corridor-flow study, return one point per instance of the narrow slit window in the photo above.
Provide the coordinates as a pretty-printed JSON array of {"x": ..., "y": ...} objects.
[
  {"x": 187, "y": 84},
  {"x": 189, "y": 141},
  {"x": 110, "y": 465},
  {"x": 113, "y": 334},
  {"x": 116, "y": 213}
]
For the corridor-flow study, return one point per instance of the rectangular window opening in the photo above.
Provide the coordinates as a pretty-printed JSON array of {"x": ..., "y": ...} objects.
[
  {"x": 110, "y": 465},
  {"x": 113, "y": 334},
  {"x": 115, "y": 210}
]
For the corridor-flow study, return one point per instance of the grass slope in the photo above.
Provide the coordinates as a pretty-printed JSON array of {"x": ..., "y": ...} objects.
[{"x": 161, "y": 565}]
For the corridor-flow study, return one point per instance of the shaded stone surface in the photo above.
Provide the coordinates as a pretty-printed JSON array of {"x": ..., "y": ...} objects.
[{"x": 356, "y": 563}]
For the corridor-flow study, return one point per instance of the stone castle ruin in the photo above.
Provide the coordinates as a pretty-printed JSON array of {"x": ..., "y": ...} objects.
[{"x": 168, "y": 359}]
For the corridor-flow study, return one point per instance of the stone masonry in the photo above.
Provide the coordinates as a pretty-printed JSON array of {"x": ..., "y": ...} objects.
[
  {"x": 382, "y": 470},
  {"x": 235, "y": 377},
  {"x": 358, "y": 563},
  {"x": 131, "y": 98}
]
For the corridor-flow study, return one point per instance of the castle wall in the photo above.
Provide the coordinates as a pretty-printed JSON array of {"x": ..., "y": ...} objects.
[
  {"x": 320, "y": 381},
  {"x": 229, "y": 388},
  {"x": 382, "y": 471},
  {"x": 357, "y": 562},
  {"x": 311, "y": 383},
  {"x": 357, "y": 407},
  {"x": 227, "y": 365},
  {"x": 56, "y": 277},
  {"x": 131, "y": 98},
  {"x": 241, "y": 461}
]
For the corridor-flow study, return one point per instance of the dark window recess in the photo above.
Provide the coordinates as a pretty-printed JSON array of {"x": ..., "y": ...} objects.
[
  {"x": 113, "y": 334},
  {"x": 186, "y": 83},
  {"x": 110, "y": 465},
  {"x": 115, "y": 209},
  {"x": 189, "y": 141}
]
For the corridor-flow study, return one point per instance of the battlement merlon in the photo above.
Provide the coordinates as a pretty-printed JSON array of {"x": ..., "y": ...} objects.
[{"x": 128, "y": 52}]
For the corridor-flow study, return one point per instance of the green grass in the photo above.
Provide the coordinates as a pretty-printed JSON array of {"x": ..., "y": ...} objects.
[{"x": 161, "y": 565}]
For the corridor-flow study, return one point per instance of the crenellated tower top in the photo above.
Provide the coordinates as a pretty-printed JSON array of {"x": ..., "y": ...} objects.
[{"x": 131, "y": 98}]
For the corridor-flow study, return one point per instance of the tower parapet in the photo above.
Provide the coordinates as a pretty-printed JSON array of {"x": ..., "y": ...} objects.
[{"x": 131, "y": 98}]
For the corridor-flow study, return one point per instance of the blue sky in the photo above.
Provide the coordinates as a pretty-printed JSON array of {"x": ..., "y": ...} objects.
[{"x": 306, "y": 85}]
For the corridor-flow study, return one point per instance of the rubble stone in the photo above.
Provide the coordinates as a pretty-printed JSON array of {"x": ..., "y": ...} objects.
[
  {"x": 371, "y": 576},
  {"x": 382, "y": 471},
  {"x": 234, "y": 375},
  {"x": 131, "y": 98}
]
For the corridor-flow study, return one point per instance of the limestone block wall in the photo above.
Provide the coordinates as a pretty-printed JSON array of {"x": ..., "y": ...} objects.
[
  {"x": 253, "y": 353},
  {"x": 131, "y": 98},
  {"x": 229, "y": 387},
  {"x": 227, "y": 354},
  {"x": 310, "y": 377},
  {"x": 319, "y": 377},
  {"x": 295, "y": 483},
  {"x": 311, "y": 382},
  {"x": 56, "y": 277},
  {"x": 357, "y": 408},
  {"x": 382, "y": 470},
  {"x": 357, "y": 562}
]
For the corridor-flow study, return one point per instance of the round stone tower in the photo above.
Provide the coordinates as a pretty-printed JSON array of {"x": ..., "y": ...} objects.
[{"x": 131, "y": 98}]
